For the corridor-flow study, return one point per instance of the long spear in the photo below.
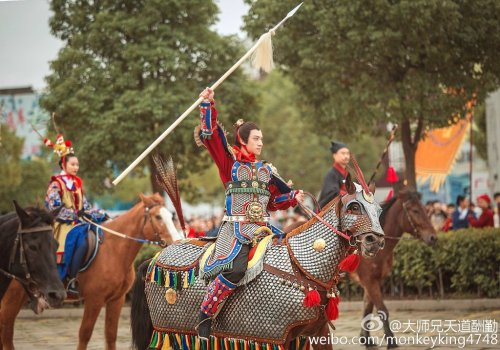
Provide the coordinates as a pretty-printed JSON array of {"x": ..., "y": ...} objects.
[
  {"x": 386, "y": 149},
  {"x": 263, "y": 60}
]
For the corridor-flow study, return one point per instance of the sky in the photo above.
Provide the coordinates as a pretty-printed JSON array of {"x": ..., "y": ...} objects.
[{"x": 26, "y": 45}]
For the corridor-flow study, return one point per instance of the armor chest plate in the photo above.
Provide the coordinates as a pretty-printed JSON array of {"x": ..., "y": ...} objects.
[{"x": 248, "y": 193}]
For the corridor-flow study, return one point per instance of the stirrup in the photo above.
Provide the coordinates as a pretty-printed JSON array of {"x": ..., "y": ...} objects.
[
  {"x": 72, "y": 286},
  {"x": 204, "y": 328}
]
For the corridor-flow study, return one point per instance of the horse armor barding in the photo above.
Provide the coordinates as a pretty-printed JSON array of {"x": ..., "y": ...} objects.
[{"x": 276, "y": 305}]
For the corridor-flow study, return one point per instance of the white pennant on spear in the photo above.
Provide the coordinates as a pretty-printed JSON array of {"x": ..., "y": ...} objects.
[{"x": 263, "y": 59}]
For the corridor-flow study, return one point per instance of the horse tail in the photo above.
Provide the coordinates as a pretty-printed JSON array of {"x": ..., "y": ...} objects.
[{"x": 141, "y": 325}]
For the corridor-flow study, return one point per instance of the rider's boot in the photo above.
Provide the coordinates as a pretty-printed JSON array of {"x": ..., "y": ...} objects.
[{"x": 218, "y": 290}]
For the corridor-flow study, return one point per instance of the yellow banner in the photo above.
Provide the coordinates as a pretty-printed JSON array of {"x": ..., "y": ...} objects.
[{"x": 437, "y": 152}]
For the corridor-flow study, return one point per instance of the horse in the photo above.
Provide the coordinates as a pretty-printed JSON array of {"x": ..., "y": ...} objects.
[
  {"x": 27, "y": 254},
  {"x": 165, "y": 309},
  {"x": 402, "y": 213},
  {"x": 110, "y": 276}
]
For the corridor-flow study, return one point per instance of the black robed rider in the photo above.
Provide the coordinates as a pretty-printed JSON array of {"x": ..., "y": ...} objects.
[{"x": 334, "y": 182}]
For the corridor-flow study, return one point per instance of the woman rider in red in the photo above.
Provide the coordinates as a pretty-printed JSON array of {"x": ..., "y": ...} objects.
[{"x": 252, "y": 188}]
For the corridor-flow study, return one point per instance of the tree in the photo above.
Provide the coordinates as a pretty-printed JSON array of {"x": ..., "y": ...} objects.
[
  {"x": 359, "y": 63},
  {"x": 23, "y": 180},
  {"x": 127, "y": 70}
]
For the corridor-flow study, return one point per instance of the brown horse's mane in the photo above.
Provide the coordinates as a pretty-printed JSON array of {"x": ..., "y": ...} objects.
[{"x": 388, "y": 204}]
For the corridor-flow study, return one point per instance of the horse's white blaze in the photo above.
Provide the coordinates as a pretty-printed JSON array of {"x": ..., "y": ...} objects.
[{"x": 167, "y": 219}]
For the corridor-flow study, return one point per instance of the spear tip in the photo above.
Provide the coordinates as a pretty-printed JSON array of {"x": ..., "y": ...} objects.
[{"x": 291, "y": 13}]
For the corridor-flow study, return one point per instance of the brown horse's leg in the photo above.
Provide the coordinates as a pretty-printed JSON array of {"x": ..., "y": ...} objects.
[
  {"x": 90, "y": 314},
  {"x": 12, "y": 302},
  {"x": 113, "y": 309},
  {"x": 365, "y": 333},
  {"x": 376, "y": 296}
]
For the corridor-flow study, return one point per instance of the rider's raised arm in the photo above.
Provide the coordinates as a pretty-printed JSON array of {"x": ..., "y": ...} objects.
[{"x": 212, "y": 136}]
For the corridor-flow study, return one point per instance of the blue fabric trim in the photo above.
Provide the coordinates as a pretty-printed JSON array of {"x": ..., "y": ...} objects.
[
  {"x": 209, "y": 267},
  {"x": 240, "y": 236},
  {"x": 282, "y": 198},
  {"x": 227, "y": 282}
]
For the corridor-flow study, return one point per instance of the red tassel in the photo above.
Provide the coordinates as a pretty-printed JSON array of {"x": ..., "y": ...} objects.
[
  {"x": 392, "y": 176},
  {"x": 351, "y": 263},
  {"x": 312, "y": 298},
  {"x": 332, "y": 308}
]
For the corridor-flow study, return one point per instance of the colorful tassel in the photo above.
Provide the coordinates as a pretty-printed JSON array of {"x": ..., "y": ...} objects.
[
  {"x": 186, "y": 284},
  {"x": 332, "y": 308},
  {"x": 166, "y": 343},
  {"x": 312, "y": 298},
  {"x": 167, "y": 279},
  {"x": 175, "y": 281},
  {"x": 351, "y": 262}
]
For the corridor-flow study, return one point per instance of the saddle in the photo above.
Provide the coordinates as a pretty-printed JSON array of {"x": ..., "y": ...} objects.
[
  {"x": 177, "y": 266},
  {"x": 81, "y": 247}
]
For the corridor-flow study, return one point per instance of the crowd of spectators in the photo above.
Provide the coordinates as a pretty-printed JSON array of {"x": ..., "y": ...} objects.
[
  {"x": 464, "y": 213},
  {"x": 444, "y": 217}
]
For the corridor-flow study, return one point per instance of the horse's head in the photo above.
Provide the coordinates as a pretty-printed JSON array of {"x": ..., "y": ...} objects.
[
  {"x": 359, "y": 218},
  {"x": 33, "y": 258},
  {"x": 157, "y": 223},
  {"x": 415, "y": 219}
]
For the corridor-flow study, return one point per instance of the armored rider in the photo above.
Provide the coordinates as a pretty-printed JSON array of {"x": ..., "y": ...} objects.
[{"x": 252, "y": 188}]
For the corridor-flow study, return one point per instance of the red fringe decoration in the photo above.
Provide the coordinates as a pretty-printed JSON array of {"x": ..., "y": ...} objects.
[
  {"x": 332, "y": 308},
  {"x": 312, "y": 298},
  {"x": 350, "y": 263}
]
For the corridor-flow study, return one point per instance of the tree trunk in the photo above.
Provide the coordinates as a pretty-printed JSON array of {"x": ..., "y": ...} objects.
[
  {"x": 410, "y": 143},
  {"x": 441, "y": 284},
  {"x": 409, "y": 152},
  {"x": 155, "y": 187}
]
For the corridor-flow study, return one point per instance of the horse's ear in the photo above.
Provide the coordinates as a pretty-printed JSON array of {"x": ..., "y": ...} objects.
[
  {"x": 372, "y": 187},
  {"x": 24, "y": 217},
  {"x": 158, "y": 197},
  {"x": 349, "y": 185}
]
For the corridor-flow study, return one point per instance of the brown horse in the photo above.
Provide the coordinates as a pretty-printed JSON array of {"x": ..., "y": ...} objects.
[
  {"x": 402, "y": 213},
  {"x": 108, "y": 279}
]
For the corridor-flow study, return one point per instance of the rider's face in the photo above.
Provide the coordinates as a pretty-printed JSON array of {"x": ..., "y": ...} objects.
[
  {"x": 72, "y": 166},
  {"x": 342, "y": 156},
  {"x": 255, "y": 142}
]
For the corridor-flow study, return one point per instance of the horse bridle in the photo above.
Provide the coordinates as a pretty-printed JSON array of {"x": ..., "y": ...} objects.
[
  {"x": 29, "y": 284},
  {"x": 147, "y": 215},
  {"x": 408, "y": 217}
]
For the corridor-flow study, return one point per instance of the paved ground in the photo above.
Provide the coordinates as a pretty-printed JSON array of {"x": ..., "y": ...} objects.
[{"x": 58, "y": 329}]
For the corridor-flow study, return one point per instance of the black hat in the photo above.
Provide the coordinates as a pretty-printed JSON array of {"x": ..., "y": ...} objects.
[{"x": 336, "y": 146}]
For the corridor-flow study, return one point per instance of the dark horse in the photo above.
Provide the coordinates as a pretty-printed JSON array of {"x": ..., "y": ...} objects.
[
  {"x": 106, "y": 282},
  {"x": 402, "y": 213},
  {"x": 27, "y": 254}
]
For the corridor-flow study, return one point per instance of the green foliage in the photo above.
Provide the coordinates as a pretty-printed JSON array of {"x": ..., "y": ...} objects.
[
  {"x": 359, "y": 63},
  {"x": 128, "y": 69},
  {"x": 413, "y": 263},
  {"x": 23, "y": 180},
  {"x": 468, "y": 260}
]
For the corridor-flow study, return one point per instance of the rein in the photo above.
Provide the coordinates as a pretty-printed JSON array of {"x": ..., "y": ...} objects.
[
  {"x": 160, "y": 242},
  {"x": 350, "y": 239},
  {"x": 412, "y": 224},
  {"x": 28, "y": 283}
]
